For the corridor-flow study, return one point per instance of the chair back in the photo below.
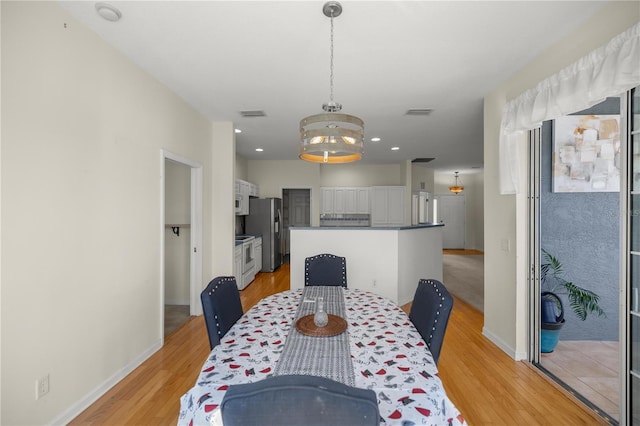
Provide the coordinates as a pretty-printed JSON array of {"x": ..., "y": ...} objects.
[
  {"x": 430, "y": 312},
  {"x": 221, "y": 307},
  {"x": 325, "y": 269},
  {"x": 299, "y": 400}
]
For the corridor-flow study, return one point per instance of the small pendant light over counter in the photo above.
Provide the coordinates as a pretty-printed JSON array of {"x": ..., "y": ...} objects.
[{"x": 457, "y": 187}]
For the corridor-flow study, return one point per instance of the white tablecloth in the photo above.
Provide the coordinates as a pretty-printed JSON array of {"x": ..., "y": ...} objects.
[{"x": 388, "y": 354}]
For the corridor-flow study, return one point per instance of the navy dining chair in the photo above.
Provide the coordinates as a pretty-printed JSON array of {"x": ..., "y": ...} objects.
[
  {"x": 430, "y": 312},
  {"x": 299, "y": 400},
  {"x": 325, "y": 269},
  {"x": 221, "y": 307}
]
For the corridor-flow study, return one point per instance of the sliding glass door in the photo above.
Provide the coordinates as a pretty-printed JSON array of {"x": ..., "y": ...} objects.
[
  {"x": 584, "y": 203},
  {"x": 631, "y": 320}
]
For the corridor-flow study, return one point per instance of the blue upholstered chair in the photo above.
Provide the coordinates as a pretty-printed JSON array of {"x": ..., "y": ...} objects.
[
  {"x": 430, "y": 312},
  {"x": 325, "y": 269},
  {"x": 298, "y": 400},
  {"x": 221, "y": 306}
]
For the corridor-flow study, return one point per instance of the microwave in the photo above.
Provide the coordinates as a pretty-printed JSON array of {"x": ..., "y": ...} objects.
[{"x": 238, "y": 203}]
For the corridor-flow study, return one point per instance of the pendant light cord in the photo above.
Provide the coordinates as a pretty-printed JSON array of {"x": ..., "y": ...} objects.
[{"x": 331, "y": 63}]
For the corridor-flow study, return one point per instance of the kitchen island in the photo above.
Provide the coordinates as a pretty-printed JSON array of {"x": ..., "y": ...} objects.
[{"x": 388, "y": 261}]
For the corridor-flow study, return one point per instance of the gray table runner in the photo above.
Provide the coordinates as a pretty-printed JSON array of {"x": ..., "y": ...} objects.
[{"x": 328, "y": 357}]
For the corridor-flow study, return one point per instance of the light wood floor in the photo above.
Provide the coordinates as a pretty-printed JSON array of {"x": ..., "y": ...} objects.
[{"x": 487, "y": 386}]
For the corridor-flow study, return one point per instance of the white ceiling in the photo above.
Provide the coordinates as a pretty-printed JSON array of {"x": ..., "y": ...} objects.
[{"x": 224, "y": 57}]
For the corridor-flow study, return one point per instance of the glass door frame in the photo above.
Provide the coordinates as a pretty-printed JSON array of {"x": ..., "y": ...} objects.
[
  {"x": 626, "y": 408},
  {"x": 533, "y": 246},
  {"x": 626, "y": 206}
]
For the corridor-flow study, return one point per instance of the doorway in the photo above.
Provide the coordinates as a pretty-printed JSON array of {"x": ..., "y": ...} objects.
[
  {"x": 451, "y": 212},
  {"x": 177, "y": 239},
  {"x": 296, "y": 211},
  {"x": 577, "y": 219},
  {"x": 181, "y": 259}
]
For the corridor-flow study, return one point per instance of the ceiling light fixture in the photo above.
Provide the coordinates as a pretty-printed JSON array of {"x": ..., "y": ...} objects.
[
  {"x": 456, "y": 188},
  {"x": 108, "y": 12},
  {"x": 395, "y": 148},
  {"x": 375, "y": 139},
  {"x": 331, "y": 137}
]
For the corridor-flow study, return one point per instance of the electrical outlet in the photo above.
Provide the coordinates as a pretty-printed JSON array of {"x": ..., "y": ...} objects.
[
  {"x": 42, "y": 386},
  {"x": 374, "y": 283}
]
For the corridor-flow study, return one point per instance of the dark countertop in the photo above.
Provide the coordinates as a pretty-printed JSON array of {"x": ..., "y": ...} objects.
[{"x": 371, "y": 228}]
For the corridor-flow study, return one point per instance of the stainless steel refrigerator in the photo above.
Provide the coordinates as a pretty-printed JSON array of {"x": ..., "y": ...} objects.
[{"x": 265, "y": 218}]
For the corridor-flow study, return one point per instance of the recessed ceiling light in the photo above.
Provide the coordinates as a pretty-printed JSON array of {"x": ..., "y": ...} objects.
[
  {"x": 395, "y": 148},
  {"x": 108, "y": 12},
  {"x": 238, "y": 130},
  {"x": 259, "y": 149},
  {"x": 376, "y": 139}
]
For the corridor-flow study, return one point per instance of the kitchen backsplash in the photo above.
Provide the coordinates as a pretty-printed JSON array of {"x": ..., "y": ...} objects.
[{"x": 338, "y": 219}]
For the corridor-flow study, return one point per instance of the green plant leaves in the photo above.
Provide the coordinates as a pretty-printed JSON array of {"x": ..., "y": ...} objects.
[{"x": 581, "y": 300}]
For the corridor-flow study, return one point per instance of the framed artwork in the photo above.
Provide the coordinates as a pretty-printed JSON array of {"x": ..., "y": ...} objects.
[{"x": 586, "y": 153}]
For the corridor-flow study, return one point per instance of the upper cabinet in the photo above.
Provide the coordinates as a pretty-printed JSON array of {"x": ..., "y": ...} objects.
[
  {"x": 244, "y": 190},
  {"x": 254, "y": 190},
  {"x": 387, "y": 205},
  {"x": 327, "y": 200},
  {"x": 349, "y": 200},
  {"x": 362, "y": 200}
]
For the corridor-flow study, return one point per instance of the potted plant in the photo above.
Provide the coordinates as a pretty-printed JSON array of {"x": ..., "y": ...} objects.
[{"x": 581, "y": 300}]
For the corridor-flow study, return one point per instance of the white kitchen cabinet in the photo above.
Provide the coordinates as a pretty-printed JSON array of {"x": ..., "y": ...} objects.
[
  {"x": 387, "y": 205},
  {"x": 327, "y": 200},
  {"x": 254, "y": 190},
  {"x": 362, "y": 200},
  {"x": 349, "y": 200},
  {"x": 244, "y": 190},
  {"x": 339, "y": 200},
  {"x": 237, "y": 269}
]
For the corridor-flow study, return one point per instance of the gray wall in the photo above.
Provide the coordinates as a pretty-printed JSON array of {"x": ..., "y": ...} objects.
[{"x": 582, "y": 231}]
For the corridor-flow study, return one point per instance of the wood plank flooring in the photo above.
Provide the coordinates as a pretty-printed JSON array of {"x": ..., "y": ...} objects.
[{"x": 487, "y": 386}]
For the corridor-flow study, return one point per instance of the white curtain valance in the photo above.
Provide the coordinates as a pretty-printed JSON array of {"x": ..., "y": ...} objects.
[{"x": 607, "y": 71}]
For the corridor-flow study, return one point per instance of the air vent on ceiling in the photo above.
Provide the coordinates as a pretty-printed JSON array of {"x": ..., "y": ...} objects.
[
  {"x": 422, "y": 160},
  {"x": 419, "y": 111},
  {"x": 254, "y": 113}
]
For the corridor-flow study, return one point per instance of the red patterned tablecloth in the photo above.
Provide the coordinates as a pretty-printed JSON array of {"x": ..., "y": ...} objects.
[{"x": 388, "y": 355}]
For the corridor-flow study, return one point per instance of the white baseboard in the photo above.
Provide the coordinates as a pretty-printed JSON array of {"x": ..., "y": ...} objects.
[
  {"x": 518, "y": 356},
  {"x": 73, "y": 411}
]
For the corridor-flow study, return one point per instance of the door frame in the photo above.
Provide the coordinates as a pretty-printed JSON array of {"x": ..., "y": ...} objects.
[
  {"x": 534, "y": 262},
  {"x": 625, "y": 415},
  {"x": 310, "y": 189},
  {"x": 533, "y": 246},
  {"x": 195, "y": 258}
]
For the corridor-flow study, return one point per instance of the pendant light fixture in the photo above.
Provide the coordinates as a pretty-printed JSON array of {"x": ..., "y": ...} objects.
[
  {"x": 331, "y": 137},
  {"x": 456, "y": 188}
]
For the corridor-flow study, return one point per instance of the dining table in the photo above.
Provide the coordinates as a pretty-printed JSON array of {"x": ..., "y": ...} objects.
[{"x": 375, "y": 347}]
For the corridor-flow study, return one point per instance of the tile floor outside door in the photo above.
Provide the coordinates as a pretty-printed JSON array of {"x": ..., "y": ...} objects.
[{"x": 591, "y": 368}]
